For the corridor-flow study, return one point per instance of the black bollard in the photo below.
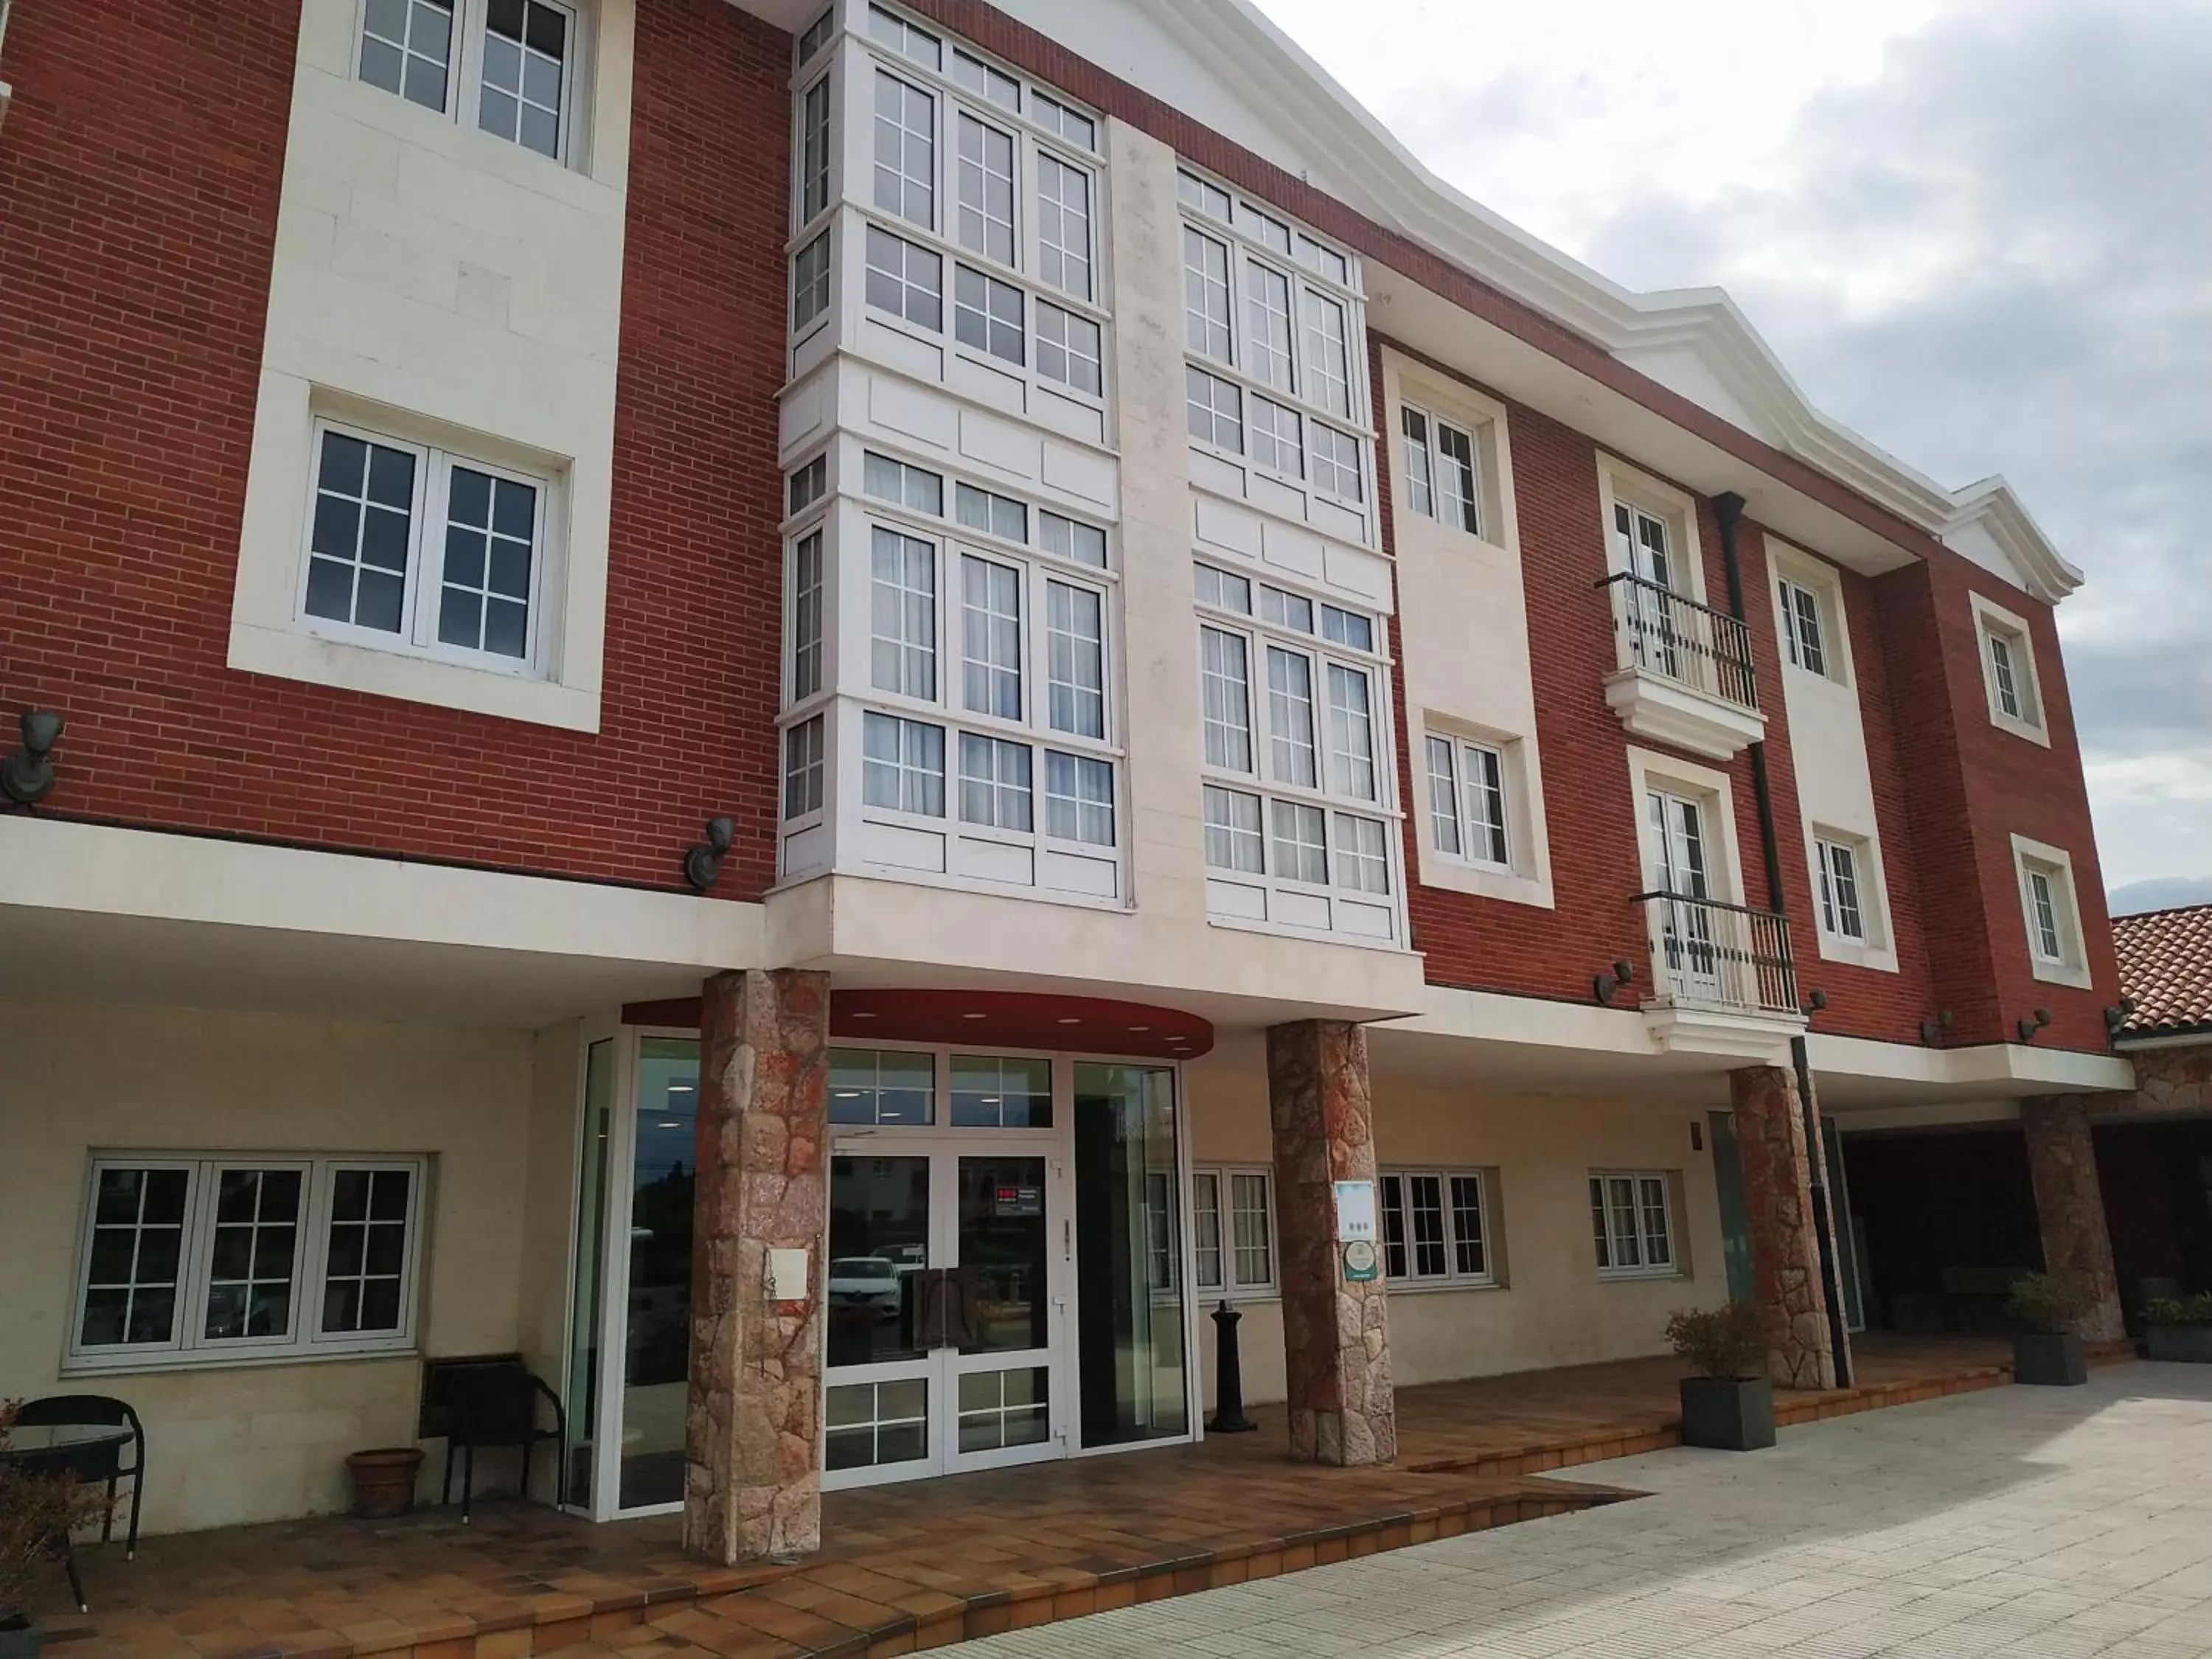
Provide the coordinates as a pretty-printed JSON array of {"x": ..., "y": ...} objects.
[{"x": 1229, "y": 1377}]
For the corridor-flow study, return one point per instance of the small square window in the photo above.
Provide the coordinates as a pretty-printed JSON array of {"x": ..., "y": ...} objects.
[
  {"x": 904, "y": 39},
  {"x": 1208, "y": 198},
  {"x": 905, "y": 280},
  {"x": 1072, "y": 538},
  {"x": 1057, "y": 117},
  {"x": 986, "y": 314}
]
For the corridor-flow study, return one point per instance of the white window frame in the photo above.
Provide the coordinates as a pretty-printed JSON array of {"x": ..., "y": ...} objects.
[
  {"x": 1609, "y": 1267},
  {"x": 1422, "y": 491},
  {"x": 465, "y": 75},
  {"x": 1793, "y": 570},
  {"x": 306, "y": 1340},
  {"x": 1992, "y": 622},
  {"x": 1877, "y": 950},
  {"x": 2069, "y": 964},
  {"x": 1229, "y": 1283},
  {"x": 425, "y": 579},
  {"x": 1046, "y": 126},
  {"x": 1459, "y": 750},
  {"x": 1452, "y": 1278}
]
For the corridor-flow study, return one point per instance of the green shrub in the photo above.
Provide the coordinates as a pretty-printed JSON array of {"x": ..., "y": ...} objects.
[
  {"x": 1725, "y": 1342},
  {"x": 2179, "y": 1310},
  {"x": 2051, "y": 1304}
]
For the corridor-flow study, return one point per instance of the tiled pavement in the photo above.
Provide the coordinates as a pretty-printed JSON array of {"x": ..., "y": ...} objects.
[
  {"x": 2045, "y": 1524},
  {"x": 921, "y": 1565}
]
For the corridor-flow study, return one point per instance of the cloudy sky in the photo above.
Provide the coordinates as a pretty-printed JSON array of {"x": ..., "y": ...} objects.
[{"x": 1979, "y": 232}]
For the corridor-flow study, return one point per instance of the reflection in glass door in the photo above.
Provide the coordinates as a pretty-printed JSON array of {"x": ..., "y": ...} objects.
[
  {"x": 656, "y": 1310},
  {"x": 1131, "y": 1349}
]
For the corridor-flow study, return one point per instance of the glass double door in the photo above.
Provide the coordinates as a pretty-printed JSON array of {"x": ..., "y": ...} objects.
[{"x": 950, "y": 1264}]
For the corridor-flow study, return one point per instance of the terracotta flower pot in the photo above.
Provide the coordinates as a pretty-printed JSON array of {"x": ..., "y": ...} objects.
[{"x": 384, "y": 1481}]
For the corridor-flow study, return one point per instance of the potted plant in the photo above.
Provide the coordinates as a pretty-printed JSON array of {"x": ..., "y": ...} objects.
[
  {"x": 384, "y": 1481},
  {"x": 38, "y": 1508},
  {"x": 2047, "y": 1349},
  {"x": 2180, "y": 1328},
  {"x": 1729, "y": 1405}
]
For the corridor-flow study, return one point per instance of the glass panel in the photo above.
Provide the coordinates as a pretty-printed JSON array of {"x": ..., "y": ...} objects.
[
  {"x": 656, "y": 1356},
  {"x": 868, "y": 1086},
  {"x": 256, "y": 1236},
  {"x": 999, "y": 1409},
  {"x": 871, "y": 1423},
  {"x": 879, "y": 1241},
  {"x": 1206, "y": 1228},
  {"x": 364, "y": 1274},
  {"x": 1001, "y": 1094},
  {"x": 1129, "y": 1295},
  {"x": 583, "y": 1403},
  {"x": 1002, "y": 1252},
  {"x": 138, "y": 1220}
]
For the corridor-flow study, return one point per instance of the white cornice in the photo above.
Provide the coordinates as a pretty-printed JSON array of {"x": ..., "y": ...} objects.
[{"x": 1382, "y": 179}]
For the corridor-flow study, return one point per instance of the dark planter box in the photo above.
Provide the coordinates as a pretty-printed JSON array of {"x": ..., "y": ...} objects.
[
  {"x": 2049, "y": 1361},
  {"x": 19, "y": 1642},
  {"x": 1728, "y": 1414},
  {"x": 2189, "y": 1344}
]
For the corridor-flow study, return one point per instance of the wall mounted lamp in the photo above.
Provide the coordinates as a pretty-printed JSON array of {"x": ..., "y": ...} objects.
[
  {"x": 1604, "y": 985},
  {"x": 2117, "y": 1015},
  {"x": 1934, "y": 1027},
  {"x": 2027, "y": 1028},
  {"x": 1814, "y": 1002},
  {"x": 28, "y": 775},
  {"x": 703, "y": 864}
]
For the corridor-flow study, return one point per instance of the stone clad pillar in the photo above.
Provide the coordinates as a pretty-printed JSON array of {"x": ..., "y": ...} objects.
[
  {"x": 1785, "y": 1246},
  {"x": 1336, "y": 1347},
  {"x": 2070, "y": 1206},
  {"x": 752, "y": 1477}
]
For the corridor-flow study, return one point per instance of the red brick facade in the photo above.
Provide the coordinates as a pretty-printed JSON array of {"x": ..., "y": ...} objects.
[{"x": 139, "y": 166}]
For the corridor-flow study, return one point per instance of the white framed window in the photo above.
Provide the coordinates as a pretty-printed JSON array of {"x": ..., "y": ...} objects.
[
  {"x": 1232, "y": 831},
  {"x": 505, "y": 67},
  {"x": 803, "y": 769},
  {"x": 903, "y": 765},
  {"x": 1300, "y": 838},
  {"x": 2051, "y": 909},
  {"x": 1056, "y": 117},
  {"x": 1632, "y": 1220},
  {"x": 193, "y": 1258},
  {"x": 990, "y": 638},
  {"x": 1205, "y": 295},
  {"x": 1078, "y": 798},
  {"x": 1072, "y": 538},
  {"x": 1203, "y": 196},
  {"x": 426, "y": 550},
  {"x": 1277, "y": 437},
  {"x": 1293, "y": 755},
  {"x": 815, "y": 36},
  {"x": 805, "y": 485},
  {"x": 986, "y": 314},
  {"x": 1804, "y": 629},
  {"x": 1336, "y": 463},
  {"x": 1363, "y": 853},
  {"x": 992, "y": 513},
  {"x": 1233, "y": 1229},
  {"x": 1843, "y": 900},
  {"x": 902, "y": 483},
  {"x": 995, "y": 782},
  {"x": 1075, "y": 659},
  {"x": 810, "y": 284},
  {"x": 1225, "y": 699},
  {"x": 803, "y": 672},
  {"x": 1215, "y": 409},
  {"x": 902, "y": 615},
  {"x": 983, "y": 194},
  {"x": 812, "y": 199},
  {"x": 1068, "y": 349},
  {"x": 1327, "y": 354},
  {"x": 1267, "y": 322},
  {"x": 1467, "y": 801},
  {"x": 1063, "y": 225},
  {"x": 1351, "y": 732},
  {"x": 1443, "y": 477},
  {"x": 1436, "y": 1227},
  {"x": 2009, "y": 671},
  {"x": 905, "y": 280},
  {"x": 905, "y": 38},
  {"x": 974, "y": 74}
]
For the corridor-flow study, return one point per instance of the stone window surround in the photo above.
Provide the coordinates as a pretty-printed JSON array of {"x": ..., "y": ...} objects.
[
  {"x": 2057, "y": 865},
  {"x": 1619, "y": 481},
  {"x": 1878, "y": 949},
  {"x": 1993, "y": 620},
  {"x": 1650, "y": 770},
  {"x": 1789, "y": 564},
  {"x": 465, "y": 76}
]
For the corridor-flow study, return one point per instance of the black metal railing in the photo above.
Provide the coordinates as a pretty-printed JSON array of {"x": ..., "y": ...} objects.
[
  {"x": 1672, "y": 635},
  {"x": 1729, "y": 955}
]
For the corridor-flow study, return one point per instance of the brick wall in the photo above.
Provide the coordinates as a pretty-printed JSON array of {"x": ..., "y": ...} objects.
[{"x": 139, "y": 171}]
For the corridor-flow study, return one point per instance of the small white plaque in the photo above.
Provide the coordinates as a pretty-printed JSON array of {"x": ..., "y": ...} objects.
[
  {"x": 1355, "y": 1212},
  {"x": 787, "y": 1278}
]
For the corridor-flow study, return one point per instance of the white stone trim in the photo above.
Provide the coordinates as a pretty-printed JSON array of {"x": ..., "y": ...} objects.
[
  {"x": 2071, "y": 967},
  {"x": 1993, "y": 620}
]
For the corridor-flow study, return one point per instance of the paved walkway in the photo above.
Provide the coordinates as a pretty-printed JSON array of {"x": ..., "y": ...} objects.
[{"x": 2046, "y": 1523}]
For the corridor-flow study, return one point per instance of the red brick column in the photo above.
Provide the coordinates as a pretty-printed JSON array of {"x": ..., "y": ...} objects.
[
  {"x": 2069, "y": 1207},
  {"x": 752, "y": 1425},
  {"x": 1785, "y": 1248},
  {"x": 1336, "y": 1347}
]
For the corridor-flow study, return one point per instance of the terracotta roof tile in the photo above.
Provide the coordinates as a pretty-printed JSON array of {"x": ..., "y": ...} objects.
[{"x": 2166, "y": 965}]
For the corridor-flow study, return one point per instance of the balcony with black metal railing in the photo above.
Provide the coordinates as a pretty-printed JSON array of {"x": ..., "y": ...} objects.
[
  {"x": 1723, "y": 976},
  {"x": 1684, "y": 669}
]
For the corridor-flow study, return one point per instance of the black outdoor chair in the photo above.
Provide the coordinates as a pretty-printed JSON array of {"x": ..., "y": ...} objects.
[
  {"x": 92, "y": 1462},
  {"x": 495, "y": 1405}
]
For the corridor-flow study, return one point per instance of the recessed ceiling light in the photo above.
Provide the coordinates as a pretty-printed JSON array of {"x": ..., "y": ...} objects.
[
  {"x": 862, "y": 1014},
  {"x": 1069, "y": 1020},
  {"x": 1140, "y": 1027},
  {"x": 975, "y": 1017}
]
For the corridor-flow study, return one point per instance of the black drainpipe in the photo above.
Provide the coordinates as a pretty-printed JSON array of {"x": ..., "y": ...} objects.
[{"x": 1728, "y": 508}]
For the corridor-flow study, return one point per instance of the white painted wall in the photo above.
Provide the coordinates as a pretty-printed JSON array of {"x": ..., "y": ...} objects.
[
  {"x": 241, "y": 1443},
  {"x": 439, "y": 282},
  {"x": 1553, "y": 1309}
]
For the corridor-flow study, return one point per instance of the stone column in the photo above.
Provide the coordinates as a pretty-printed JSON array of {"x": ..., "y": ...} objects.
[
  {"x": 1336, "y": 1347},
  {"x": 1785, "y": 1248},
  {"x": 752, "y": 1477},
  {"x": 2070, "y": 1206}
]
